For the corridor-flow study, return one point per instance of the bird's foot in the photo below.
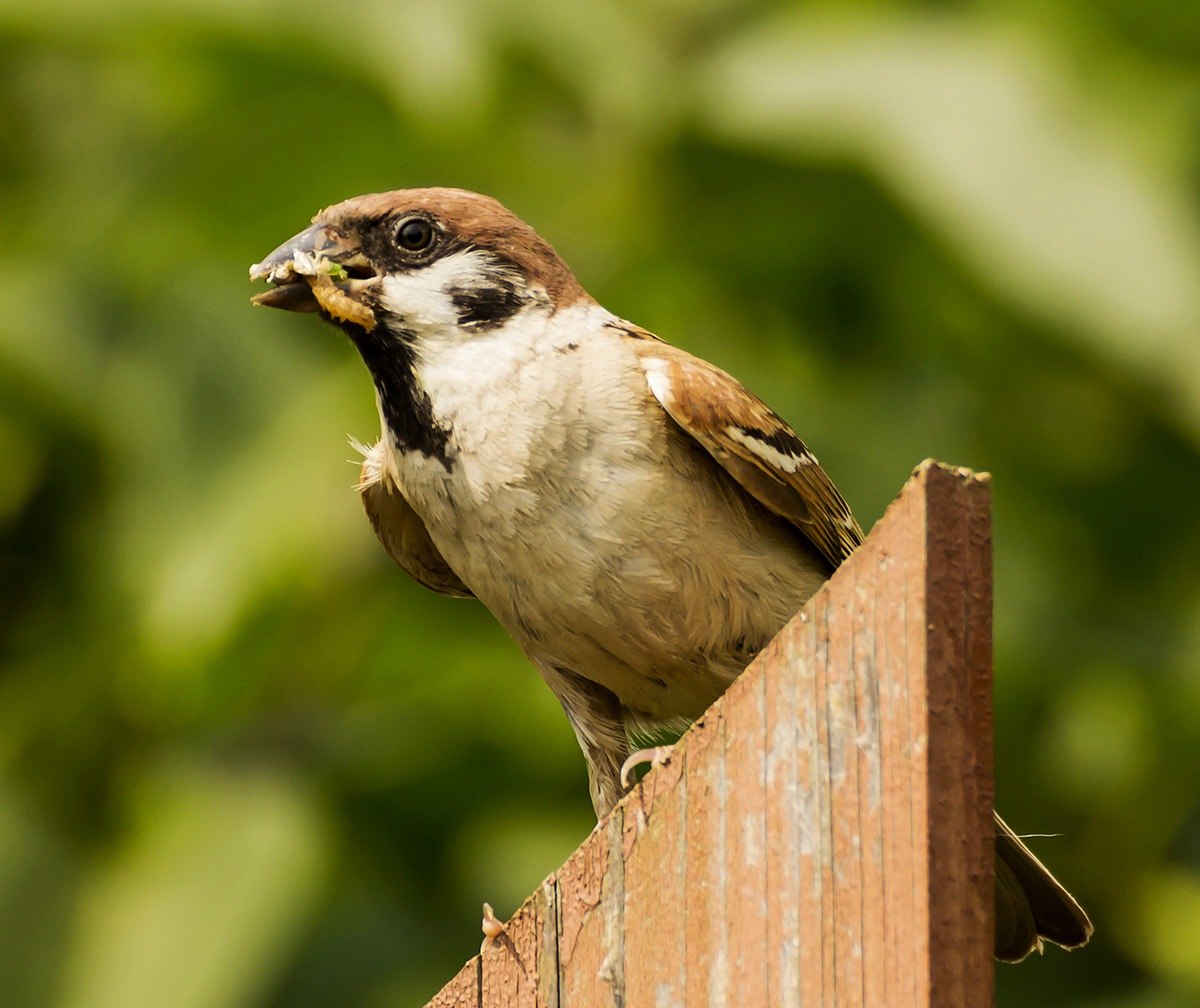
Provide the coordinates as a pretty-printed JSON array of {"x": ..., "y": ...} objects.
[
  {"x": 656, "y": 757},
  {"x": 492, "y": 928}
]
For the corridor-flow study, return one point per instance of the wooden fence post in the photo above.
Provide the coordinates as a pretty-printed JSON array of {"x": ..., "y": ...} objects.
[{"x": 823, "y": 836}]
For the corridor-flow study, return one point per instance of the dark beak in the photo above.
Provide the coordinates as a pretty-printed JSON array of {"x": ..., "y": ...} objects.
[{"x": 321, "y": 250}]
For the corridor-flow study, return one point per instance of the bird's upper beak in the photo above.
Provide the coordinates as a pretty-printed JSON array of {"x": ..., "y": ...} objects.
[{"x": 307, "y": 270}]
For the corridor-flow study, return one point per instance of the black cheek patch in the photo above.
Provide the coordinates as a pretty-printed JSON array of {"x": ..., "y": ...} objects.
[
  {"x": 486, "y": 307},
  {"x": 407, "y": 412}
]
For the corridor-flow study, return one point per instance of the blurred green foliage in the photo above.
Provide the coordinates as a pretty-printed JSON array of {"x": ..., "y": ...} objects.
[{"x": 244, "y": 761}]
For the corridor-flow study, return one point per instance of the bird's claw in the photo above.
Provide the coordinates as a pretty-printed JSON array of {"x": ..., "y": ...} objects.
[
  {"x": 492, "y": 928},
  {"x": 656, "y": 757}
]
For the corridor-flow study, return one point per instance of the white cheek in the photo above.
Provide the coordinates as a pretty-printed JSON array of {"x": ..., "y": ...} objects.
[{"x": 423, "y": 297}]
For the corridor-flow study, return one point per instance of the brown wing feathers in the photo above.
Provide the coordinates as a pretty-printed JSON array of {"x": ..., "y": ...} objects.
[
  {"x": 753, "y": 444},
  {"x": 401, "y": 530}
]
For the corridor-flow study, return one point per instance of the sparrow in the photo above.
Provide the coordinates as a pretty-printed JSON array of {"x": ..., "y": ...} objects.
[{"x": 639, "y": 522}]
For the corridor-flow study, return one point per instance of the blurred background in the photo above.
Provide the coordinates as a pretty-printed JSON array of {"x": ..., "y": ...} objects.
[{"x": 244, "y": 761}]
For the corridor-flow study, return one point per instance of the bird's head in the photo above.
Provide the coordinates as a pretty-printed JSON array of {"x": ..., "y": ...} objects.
[
  {"x": 407, "y": 272},
  {"x": 416, "y": 263}
]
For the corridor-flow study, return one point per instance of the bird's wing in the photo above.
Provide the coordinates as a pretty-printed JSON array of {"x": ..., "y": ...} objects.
[
  {"x": 401, "y": 530},
  {"x": 753, "y": 444}
]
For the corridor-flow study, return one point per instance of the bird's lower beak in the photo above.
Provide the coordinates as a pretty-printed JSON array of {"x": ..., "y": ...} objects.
[{"x": 321, "y": 268}]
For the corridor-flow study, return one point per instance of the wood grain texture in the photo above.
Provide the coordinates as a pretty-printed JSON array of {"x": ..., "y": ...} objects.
[
  {"x": 653, "y": 845},
  {"x": 822, "y": 837},
  {"x": 520, "y": 967},
  {"x": 462, "y": 991}
]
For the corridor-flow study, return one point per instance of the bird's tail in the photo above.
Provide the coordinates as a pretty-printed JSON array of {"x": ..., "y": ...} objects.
[{"x": 1030, "y": 904}]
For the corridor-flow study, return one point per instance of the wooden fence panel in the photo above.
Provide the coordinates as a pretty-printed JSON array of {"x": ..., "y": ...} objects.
[{"x": 822, "y": 838}]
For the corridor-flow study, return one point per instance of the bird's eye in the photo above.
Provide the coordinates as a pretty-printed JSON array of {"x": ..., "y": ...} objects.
[{"x": 414, "y": 235}]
